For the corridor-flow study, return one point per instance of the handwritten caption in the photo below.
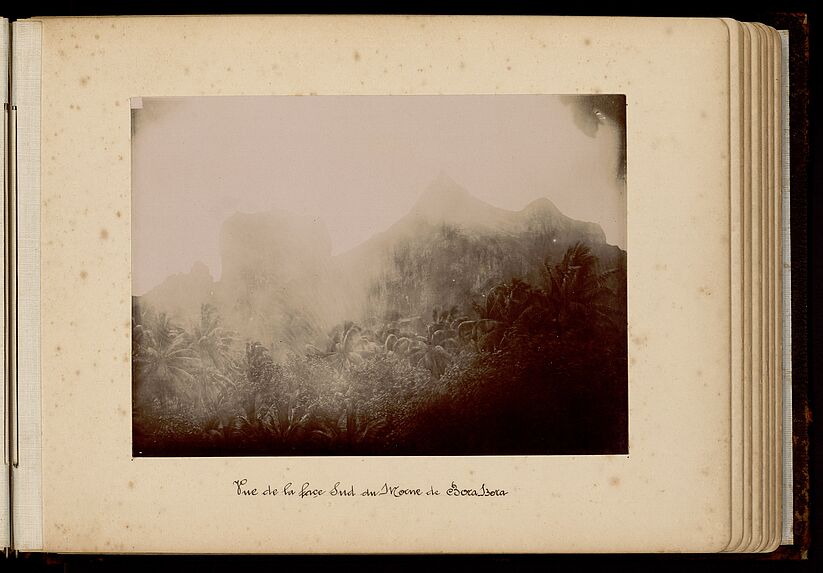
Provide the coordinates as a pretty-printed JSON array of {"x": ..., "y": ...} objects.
[{"x": 307, "y": 490}]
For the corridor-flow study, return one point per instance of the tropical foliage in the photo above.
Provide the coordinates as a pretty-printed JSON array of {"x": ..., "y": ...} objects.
[{"x": 531, "y": 365}]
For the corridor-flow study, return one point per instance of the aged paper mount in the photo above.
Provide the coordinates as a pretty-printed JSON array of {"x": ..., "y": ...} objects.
[{"x": 670, "y": 492}]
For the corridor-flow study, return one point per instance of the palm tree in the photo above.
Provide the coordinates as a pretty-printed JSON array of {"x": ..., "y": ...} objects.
[
  {"x": 212, "y": 346},
  {"x": 576, "y": 291},
  {"x": 286, "y": 418},
  {"x": 252, "y": 380},
  {"x": 351, "y": 428},
  {"x": 257, "y": 368},
  {"x": 431, "y": 357},
  {"x": 164, "y": 361},
  {"x": 346, "y": 347},
  {"x": 503, "y": 307},
  {"x": 209, "y": 340}
]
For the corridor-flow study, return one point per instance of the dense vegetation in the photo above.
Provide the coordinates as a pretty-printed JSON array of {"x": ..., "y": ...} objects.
[{"x": 535, "y": 364}]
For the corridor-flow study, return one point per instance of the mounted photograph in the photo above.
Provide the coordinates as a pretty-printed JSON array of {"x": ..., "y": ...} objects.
[{"x": 379, "y": 275}]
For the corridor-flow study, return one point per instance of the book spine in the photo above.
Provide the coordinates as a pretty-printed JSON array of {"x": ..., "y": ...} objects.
[
  {"x": 5, "y": 481},
  {"x": 786, "y": 302},
  {"x": 25, "y": 424}
]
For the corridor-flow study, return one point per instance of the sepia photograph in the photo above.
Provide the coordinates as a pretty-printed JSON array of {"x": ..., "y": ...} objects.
[{"x": 379, "y": 275}]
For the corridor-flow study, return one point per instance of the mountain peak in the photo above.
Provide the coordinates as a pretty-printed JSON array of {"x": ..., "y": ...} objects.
[
  {"x": 444, "y": 182},
  {"x": 443, "y": 186},
  {"x": 444, "y": 196},
  {"x": 199, "y": 268},
  {"x": 541, "y": 205}
]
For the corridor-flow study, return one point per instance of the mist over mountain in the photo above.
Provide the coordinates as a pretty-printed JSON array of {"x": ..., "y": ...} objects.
[
  {"x": 181, "y": 295},
  {"x": 452, "y": 247},
  {"x": 258, "y": 250},
  {"x": 281, "y": 285}
]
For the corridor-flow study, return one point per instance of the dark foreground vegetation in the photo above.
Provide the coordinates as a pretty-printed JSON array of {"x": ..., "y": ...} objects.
[{"x": 529, "y": 367}]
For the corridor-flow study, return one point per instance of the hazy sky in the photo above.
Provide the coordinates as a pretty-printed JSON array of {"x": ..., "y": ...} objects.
[{"x": 358, "y": 163}]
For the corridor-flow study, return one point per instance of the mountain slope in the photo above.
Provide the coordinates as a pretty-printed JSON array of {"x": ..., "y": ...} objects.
[
  {"x": 281, "y": 286},
  {"x": 451, "y": 247}
]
